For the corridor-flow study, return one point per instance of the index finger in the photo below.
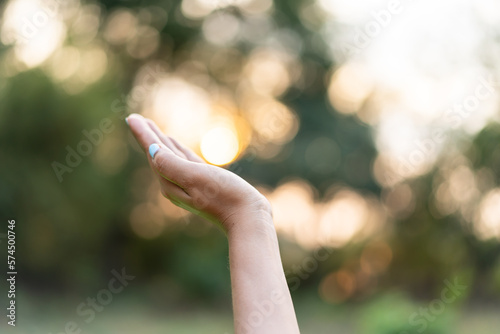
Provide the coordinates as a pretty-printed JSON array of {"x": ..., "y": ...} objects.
[
  {"x": 169, "y": 166},
  {"x": 142, "y": 132}
]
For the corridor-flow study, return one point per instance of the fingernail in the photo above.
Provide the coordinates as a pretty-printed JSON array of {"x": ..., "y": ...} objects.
[
  {"x": 153, "y": 148},
  {"x": 126, "y": 120}
]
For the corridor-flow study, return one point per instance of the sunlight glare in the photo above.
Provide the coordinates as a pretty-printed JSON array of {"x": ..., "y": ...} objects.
[
  {"x": 487, "y": 224},
  {"x": 36, "y": 29},
  {"x": 342, "y": 218},
  {"x": 220, "y": 145}
]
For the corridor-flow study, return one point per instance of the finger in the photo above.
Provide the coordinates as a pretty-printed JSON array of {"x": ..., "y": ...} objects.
[
  {"x": 165, "y": 140},
  {"x": 142, "y": 132},
  {"x": 187, "y": 152},
  {"x": 147, "y": 139},
  {"x": 177, "y": 170}
]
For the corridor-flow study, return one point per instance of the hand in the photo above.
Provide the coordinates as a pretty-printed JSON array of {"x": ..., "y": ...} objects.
[
  {"x": 257, "y": 275},
  {"x": 187, "y": 181}
]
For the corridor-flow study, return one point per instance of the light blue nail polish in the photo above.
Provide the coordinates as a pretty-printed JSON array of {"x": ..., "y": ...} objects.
[
  {"x": 153, "y": 148},
  {"x": 126, "y": 120}
]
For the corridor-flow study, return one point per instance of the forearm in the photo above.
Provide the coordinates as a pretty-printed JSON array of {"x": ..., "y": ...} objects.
[{"x": 261, "y": 299}]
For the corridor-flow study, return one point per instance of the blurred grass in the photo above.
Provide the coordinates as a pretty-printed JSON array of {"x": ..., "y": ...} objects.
[{"x": 387, "y": 314}]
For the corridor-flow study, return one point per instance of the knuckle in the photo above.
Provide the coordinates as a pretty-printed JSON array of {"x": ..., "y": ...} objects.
[
  {"x": 200, "y": 201},
  {"x": 211, "y": 189}
]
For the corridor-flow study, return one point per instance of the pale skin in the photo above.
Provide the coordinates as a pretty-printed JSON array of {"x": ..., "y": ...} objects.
[{"x": 261, "y": 299}]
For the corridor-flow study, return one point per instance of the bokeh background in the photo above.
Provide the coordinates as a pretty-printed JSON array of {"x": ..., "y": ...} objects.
[{"x": 371, "y": 126}]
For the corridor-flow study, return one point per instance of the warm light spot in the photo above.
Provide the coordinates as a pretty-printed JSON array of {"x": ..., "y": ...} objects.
[
  {"x": 180, "y": 109},
  {"x": 86, "y": 25},
  {"x": 295, "y": 213},
  {"x": 65, "y": 63},
  {"x": 272, "y": 120},
  {"x": 94, "y": 63},
  {"x": 121, "y": 27},
  {"x": 221, "y": 28},
  {"x": 209, "y": 124},
  {"x": 144, "y": 43},
  {"x": 349, "y": 87},
  {"x": 390, "y": 169},
  {"x": 444, "y": 202},
  {"x": 487, "y": 222},
  {"x": 462, "y": 184},
  {"x": 220, "y": 146},
  {"x": 197, "y": 9},
  {"x": 396, "y": 134},
  {"x": 35, "y": 27},
  {"x": 255, "y": 7},
  {"x": 342, "y": 218},
  {"x": 337, "y": 287},
  {"x": 268, "y": 73},
  {"x": 456, "y": 189},
  {"x": 385, "y": 172},
  {"x": 399, "y": 200},
  {"x": 347, "y": 217},
  {"x": 376, "y": 257},
  {"x": 169, "y": 209},
  {"x": 146, "y": 221}
]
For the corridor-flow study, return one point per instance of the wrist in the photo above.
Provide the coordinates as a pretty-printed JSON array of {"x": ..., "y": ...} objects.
[{"x": 251, "y": 219}]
